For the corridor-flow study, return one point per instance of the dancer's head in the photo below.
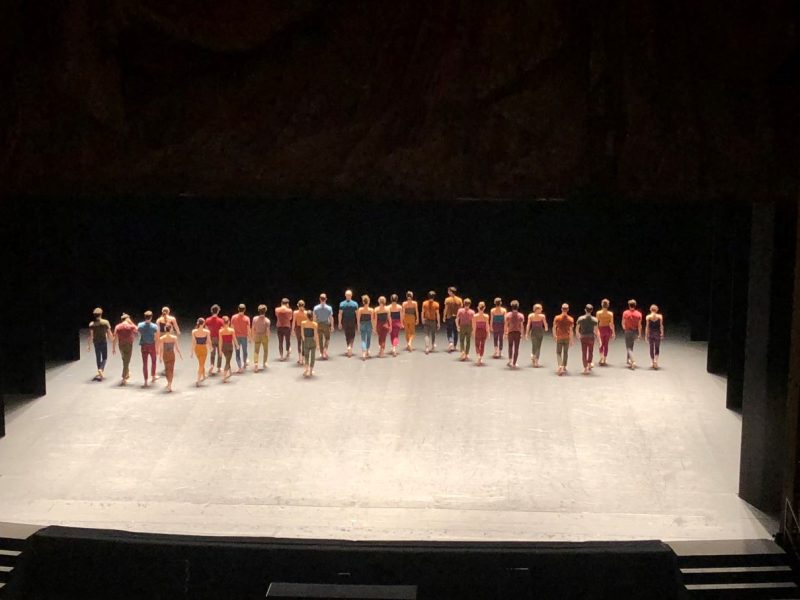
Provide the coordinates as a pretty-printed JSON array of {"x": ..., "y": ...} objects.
[
  {"x": 200, "y": 322},
  {"x": 97, "y": 313},
  {"x": 537, "y": 308},
  {"x": 301, "y": 304},
  {"x": 653, "y": 308},
  {"x": 382, "y": 300},
  {"x": 514, "y": 305},
  {"x": 310, "y": 315},
  {"x": 432, "y": 295},
  {"x": 323, "y": 298},
  {"x": 148, "y": 315},
  {"x": 394, "y": 298},
  {"x": 467, "y": 302},
  {"x": 242, "y": 308},
  {"x": 605, "y": 303},
  {"x": 565, "y": 308},
  {"x": 365, "y": 300},
  {"x": 215, "y": 309},
  {"x": 165, "y": 311},
  {"x": 632, "y": 304},
  {"x": 348, "y": 294},
  {"x": 284, "y": 302},
  {"x": 451, "y": 291},
  {"x": 481, "y": 306},
  {"x": 498, "y": 301},
  {"x": 125, "y": 317},
  {"x": 262, "y": 309},
  {"x": 410, "y": 295},
  {"x": 226, "y": 320},
  {"x": 588, "y": 309}
]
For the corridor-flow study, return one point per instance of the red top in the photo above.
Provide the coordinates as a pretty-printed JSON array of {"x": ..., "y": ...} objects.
[
  {"x": 125, "y": 332},
  {"x": 214, "y": 324},
  {"x": 284, "y": 315},
  {"x": 514, "y": 320},
  {"x": 631, "y": 319}
]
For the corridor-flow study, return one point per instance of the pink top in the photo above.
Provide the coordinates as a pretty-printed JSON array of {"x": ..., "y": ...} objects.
[
  {"x": 240, "y": 324},
  {"x": 260, "y": 325},
  {"x": 125, "y": 332},
  {"x": 464, "y": 316},
  {"x": 514, "y": 320}
]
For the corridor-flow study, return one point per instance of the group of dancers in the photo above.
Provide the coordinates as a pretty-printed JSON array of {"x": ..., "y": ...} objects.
[{"x": 225, "y": 337}]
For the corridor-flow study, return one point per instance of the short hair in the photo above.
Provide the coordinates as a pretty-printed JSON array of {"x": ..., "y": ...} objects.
[
  {"x": 348, "y": 292},
  {"x": 565, "y": 305},
  {"x": 393, "y": 298},
  {"x": 467, "y": 301},
  {"x": 514, "y": 304},
  {"x": 124, "y": 316},
  {"x": 452, "y": 289},
  {"x": 201, "y": 321},
  {"x": 97, "y": 312},
  {"x": 409, "y": 294},
  {"x": 605, "y": 303},
  {"x": 588, "y": 308},
  {"x": 631, "y": 303},
  {"x": 381, "y": 299},
  {"x": 242, "y": 308},
  {"x": 537, "y": 305},
  {"x": 284, "y": 301},
  {"x": 215, "y": 309},
  {"x": 364, "y": 299},
  {"x": 301, "y": 303},
  {"x": 431, "y": 294},
  {"x": 323, "y": 296},
  {"x": 148, "y": 314},
  {"x": 262, "y": 309},
  {"x": 498, "y": 301}
]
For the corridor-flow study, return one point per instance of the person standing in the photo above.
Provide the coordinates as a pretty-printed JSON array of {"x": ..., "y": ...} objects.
[
  {"x": 148, "y": 344},
  {"x": 451, "y": 305},
  {"x": 261, "y": 330},
  {"x": 480, "y": 323},
  {"x": 99, "y": 336},
  {"x": 587, "y": 331},
  {"x": 383, "y": 326},
  {"x": 347, "y": 319},
  {"x": 201, "y": 342},
  {"x": 214, "y": 324},
  {"x": 563, "y": 333},
  {"x": 632, "y": 326},
  {"x": 366, "y": 323},
  {"x": 165, "y": 319},
  {"x": 534, "y": 331},
  {"x": 227, "y": 343},
  {"x": 310, "y": 331},
  {"x": 410, "y": 319},
  {"x": 605, "y": 322},
  {"x": 654, "y": 332},
  {"x": 323, "y": 314},
  {"x": 396, "y": 318},
  {"x": 124, "y": 334},
  {"x": 283, "y": 316},
  {"x": 498, "y": 315},
  {"x": 168, "y": 343},
  {"x": 298, "y": 316},
  {"x": 241, "y": 325},
  {"x": 431, "y": 320},
  {"x": 514, "y": 324},
  {"x": 464, "y": 318}
]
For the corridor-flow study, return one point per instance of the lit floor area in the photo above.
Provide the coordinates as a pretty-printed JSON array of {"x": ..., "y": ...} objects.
[{"x": 415, "y": 447}]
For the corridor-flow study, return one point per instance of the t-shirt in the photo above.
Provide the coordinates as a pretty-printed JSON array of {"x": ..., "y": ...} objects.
[
  {"x": 284, "y": 316},
  {"x": 514, "y": 320},
  {"x": 147, "y": 333},
  {"x": 348, "y": 309},
  {"x": 451, "y": 306},
  {"x": 99, "y": 329},
  {"x": 125, "y": 332},
  {"x": 631, "y": 319},
  {"x": 430, "y": 308},
  {"x": 464, "y": 316},
  {"x": 323, "y": 312},
  {"x": 604, "y": 317},
  {"x": 260, "y": 325},
  {"x": 562, "y": 325},
  {"x": 214, "y": 324},
  {"x": 240, "y": 323},
  {"x": 586, "y": 324}
]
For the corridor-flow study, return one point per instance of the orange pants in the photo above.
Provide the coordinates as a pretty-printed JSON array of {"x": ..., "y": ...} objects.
[
  {"x": 202, "y": 352},
  {"x": 410, "y": 325}
]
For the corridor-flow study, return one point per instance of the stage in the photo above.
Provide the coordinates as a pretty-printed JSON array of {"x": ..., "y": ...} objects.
[{"x": 409, "y": 448}]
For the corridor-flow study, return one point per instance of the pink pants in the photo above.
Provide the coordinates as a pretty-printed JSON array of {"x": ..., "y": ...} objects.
[
  {"x": 480, "y": 340},
  {"x": 395, "y": 332},
  {"x": 383, "y": 330}
]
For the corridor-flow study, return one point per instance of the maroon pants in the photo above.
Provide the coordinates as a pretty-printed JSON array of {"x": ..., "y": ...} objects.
[
  {"x": 383, "y": 331},
  {"x": 513, "y": 345},
  {"x": 284, "y": 336},
  {"x": 395, "y": 332},
  {"x": 148, "y": 350},
  {"x": 480, "y": 341},
  {"x": 605, "y": 336},
  {"x": 587, "y": 350}
]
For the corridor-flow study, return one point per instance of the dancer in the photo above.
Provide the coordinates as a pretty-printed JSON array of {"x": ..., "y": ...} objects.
[
  {"x": 167, "y": 319},
  {"x": 395, "y": 314},
  {"x": 654, "y": 332},
  {"x": 260, "y": 328},
  {"x": 563, "y": 333},
  {"x": 201, "y": 343},
  {"x": 124, "y": 333},
  {"x": 227, "y": 343},
  {"x": 283, "y": 316},
  {"x": 214, "y": 324},
  {"x": 241, "y": 325},
  {"x": 432, "y": 321},
  {"x": 168, "y": 344},
  {"x": 311, "y": 342},
  {"x": 298, "y": 317},
  {"x": 148, "y": 344},
  {"x": 605, "y": 321},
  {"x": 498, "y": 315},
  {"x": 514, "y": 324},
  {"x": 632, "y": 326},
  {"x": 587, "y": 331},
  {"x": 347, "y": 319},
  {"x": 323, "y": 314},
  {"x": 464, "y": 318},
  {"x": 451, "y": 306},
  {"x": 480, "y": 323},
  {"x": 410, "y": 319},
  {"x": 99, "y": 336},
  {"x": 534, "y": 331},
  {"x": 383, "y": 325},
  {"x": 366, "y": 320}
]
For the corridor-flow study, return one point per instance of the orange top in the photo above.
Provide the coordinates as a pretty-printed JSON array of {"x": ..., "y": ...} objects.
[
  {"x": 451, "y": 306},
  {"x": 299, "y": 316},
  {"x": 562, "y": 325},
  {"x": 430, "y": 308},
  {"x": 604, "y": 317},
  {"x": 284, "y": 315}
]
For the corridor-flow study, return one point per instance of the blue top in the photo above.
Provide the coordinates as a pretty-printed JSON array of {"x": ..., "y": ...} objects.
[
  {"x": 308, "y": 332},
  {"x": 348, "y": 309},
  {"x": 147, "y": 333},
  {"x": 323, "y": 312}
]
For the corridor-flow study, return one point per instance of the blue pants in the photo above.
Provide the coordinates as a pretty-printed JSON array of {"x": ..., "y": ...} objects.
[
  {"x": 366, "y": 335},
  {"x": 101, "y": 354},
  {"x": 452, "y": 330},
  {"x": 243, "y": 349}
]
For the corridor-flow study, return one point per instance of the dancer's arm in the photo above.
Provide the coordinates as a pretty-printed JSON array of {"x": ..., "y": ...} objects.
[
  {"x": 178, "y": 348},
  {"x": 194, "y": 343}
]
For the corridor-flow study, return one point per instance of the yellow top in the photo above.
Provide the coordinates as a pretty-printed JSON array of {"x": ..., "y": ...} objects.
[{"x": 604, "y": 317}]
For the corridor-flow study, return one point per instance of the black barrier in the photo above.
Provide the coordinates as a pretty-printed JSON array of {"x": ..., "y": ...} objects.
[{"x": 68, "y": 563}]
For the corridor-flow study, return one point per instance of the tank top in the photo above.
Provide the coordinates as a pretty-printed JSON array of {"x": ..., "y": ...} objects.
[
  {"x": 537, "y": 324},
  {"x": 395, "y": 315},
  {"x": 308, "y": 332},
  {"x": 366, "y": 317},
  {"x": 498, "y": 318},
  {"x": 655, "y": 327},
  {"x": 411, "y": 311},
  {"x": 480, "y": 326},
  {"x": 227, "y": 338},
  {"x": 382, "y": 316},
  {"x": 200, "y": 340},
  {"x": 169, "y": 346}
]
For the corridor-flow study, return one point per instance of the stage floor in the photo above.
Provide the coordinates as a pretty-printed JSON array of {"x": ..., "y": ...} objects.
[{"x": 415, "y": 447}]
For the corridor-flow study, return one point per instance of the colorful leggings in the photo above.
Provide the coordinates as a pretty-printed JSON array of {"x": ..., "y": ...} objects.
[
  {"x": 562, "y": 352},
  {"x": 587, "y": 350},
  {"x": 395, "y": 333},
  {"x": 201, "y": 351},
  {"x": 537, "y": 335},
  {"x": 366, "y": 335},
  {"x": 605, "y": 337},
  {"x": 148, "y": 350},
  {"x": 497, "y": 334},
  {"x": 260, "y": 341},
  {"x": 383, "y": 330},
  {"x": 309, "y": 352},
  {"x": 480, "y": 341},
  {"x": 465, "y": 338},
  {"x": 513, "y": 345},
  {"x": 284, "y": 337},
  {"x": 655, "y": 346}
]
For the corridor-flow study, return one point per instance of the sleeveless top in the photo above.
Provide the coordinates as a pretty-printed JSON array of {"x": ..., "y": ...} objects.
[
  {"x": 382, "y": 316},
  {"x": 366, "y": 317},
  {"x": 200, "y": 340}
]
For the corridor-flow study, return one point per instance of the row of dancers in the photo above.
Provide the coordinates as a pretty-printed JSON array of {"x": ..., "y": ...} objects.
[{"x": 221, "y": 337}]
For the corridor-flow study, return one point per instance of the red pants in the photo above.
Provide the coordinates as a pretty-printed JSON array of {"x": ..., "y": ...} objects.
[
  {"x": 395, "y": 332},
  {"x": 605, "y": 336},
  {"x": 148, "y": 350},
  {"x": 383, "y": 331},
  {"x": 513, "y": 345},
  {"x": 480, "y": 341},
  {"x": 587, "y": 350}
]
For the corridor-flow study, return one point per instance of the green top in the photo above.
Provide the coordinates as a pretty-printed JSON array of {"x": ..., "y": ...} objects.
[{"x": 99, "y": 329}]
